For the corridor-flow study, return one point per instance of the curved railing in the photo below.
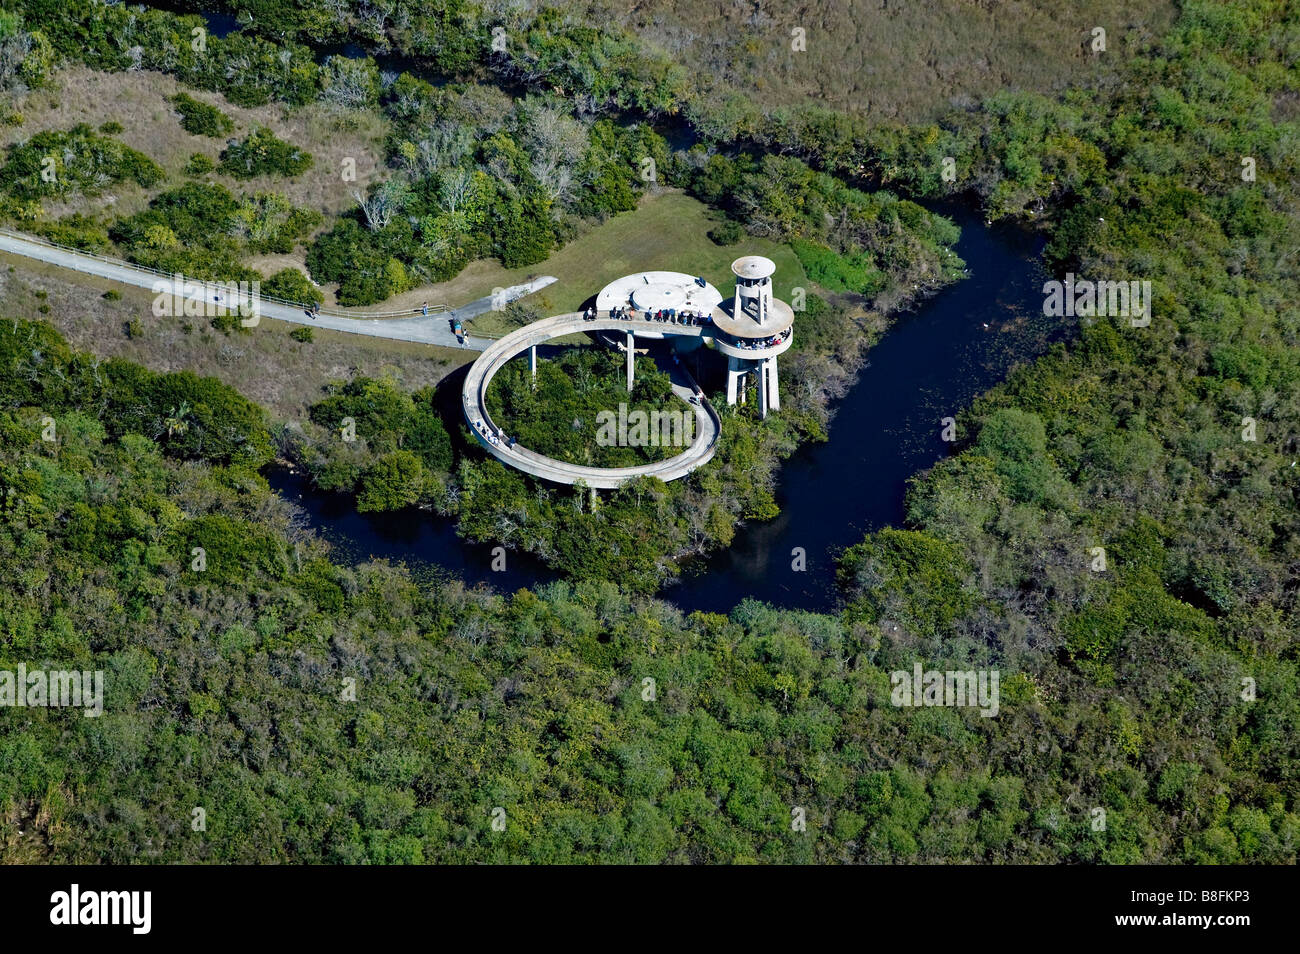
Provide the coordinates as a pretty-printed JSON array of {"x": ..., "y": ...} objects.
[{"x": 481, "y": 372}]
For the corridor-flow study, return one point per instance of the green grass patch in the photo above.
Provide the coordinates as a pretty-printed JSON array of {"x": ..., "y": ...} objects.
[{"x": 669, "y": 231}]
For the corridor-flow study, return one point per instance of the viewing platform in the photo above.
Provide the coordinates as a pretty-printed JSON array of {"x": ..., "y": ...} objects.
[
  {"x": 496, "y": 441},
  {"x": 653, "y": 292},
  {"x": 750, "y": 329}
]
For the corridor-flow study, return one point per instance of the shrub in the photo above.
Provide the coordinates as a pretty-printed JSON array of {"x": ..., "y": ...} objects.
[
  {"x": 187, "y": 230},
  {"x": 112, "y": 295},
  {"x": 193, "y": 418},
  {"x": 725, "y": 233},
  {"x": 234, "y": 547},
  {"x": 201, "y": 119},
  {"x": 292, "y": 285},
  {"x": 269, "y": 222},
  {"x": 264, "y": 153},
  {"x": 521, "y": 232},
  {"x": 394, "y": 481},
  {"x": 225, "y": 323},
  {"x": 301, "y": 334},
  {"x": 199, "y": 164},
  {"x": 76, "y": 231},
  {"x": 356, "y": 259},
  {"x": 83, "y": 162},
  {"x": 1016, "y": 442},
  {"x": 387, "y": 420},
  {"x": 111, "y": 128},
  {"x": 350, "y": 83},
  {"x": 26, "y": 56}
]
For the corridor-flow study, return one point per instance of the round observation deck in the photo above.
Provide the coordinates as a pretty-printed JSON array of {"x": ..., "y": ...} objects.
[
  {"x": 659, "y": 295},
  {"x": 652, "y": 291},
  {"x": 780, "y": 316}
]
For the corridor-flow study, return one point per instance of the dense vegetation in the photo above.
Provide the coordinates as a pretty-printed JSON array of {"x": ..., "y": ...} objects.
[
  {"x": 272, "y": 682},
  {"x": 203, "y": 231},
  {"x": 262, "y": 153},
  {"x": 370, "y": 437},
  {"x": 561, "y": 416},
  {"x": 25, "y": 54}
]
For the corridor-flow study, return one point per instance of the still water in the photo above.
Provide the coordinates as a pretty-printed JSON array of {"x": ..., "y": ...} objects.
[{"x": 930, "y": 365}]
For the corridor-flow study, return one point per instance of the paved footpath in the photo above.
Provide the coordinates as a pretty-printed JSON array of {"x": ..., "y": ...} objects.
[{"x": 434, "y": 329}]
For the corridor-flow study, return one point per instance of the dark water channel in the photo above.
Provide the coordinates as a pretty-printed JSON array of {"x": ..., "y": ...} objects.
[{"x": 930, "y": 364}]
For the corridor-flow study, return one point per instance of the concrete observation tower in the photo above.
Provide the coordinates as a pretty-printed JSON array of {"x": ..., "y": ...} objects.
[{"x": 752, "y": 328}]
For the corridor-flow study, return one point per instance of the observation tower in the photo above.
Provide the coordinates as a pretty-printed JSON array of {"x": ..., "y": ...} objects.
[{"x": 752, "y": 328}]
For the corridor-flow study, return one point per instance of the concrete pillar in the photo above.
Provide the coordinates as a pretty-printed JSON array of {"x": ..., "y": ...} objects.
[
  {"x": 532, "y": 364},
  {"x": 774, "y": 395},
  {"x": 734, "y": 374},
  {"x": 762, "y": 389},
  {"x": 631, "y": 358}
]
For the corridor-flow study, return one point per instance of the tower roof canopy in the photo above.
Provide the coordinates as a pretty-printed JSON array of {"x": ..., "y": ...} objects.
[{"x": 753, "y": 266}]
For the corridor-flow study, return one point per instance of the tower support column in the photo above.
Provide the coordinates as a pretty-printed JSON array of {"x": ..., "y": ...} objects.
[
  {"x": 762, "y": 389},
  {"x": 774, "y": 389},
  {"x": 735, "y": 371},
  {"x": 631, "y": 358},
  {"x": 532, "y": 364}
]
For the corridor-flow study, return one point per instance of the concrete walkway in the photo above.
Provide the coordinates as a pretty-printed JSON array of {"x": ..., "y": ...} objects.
[
  {"x": 434, "y": 329},
  {"x": 474, "y": 403}
]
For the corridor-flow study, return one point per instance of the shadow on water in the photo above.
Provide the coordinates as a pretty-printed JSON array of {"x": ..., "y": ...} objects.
[
  {"x": 928, "y": 366},
  {"x": 424, "y": 541}
]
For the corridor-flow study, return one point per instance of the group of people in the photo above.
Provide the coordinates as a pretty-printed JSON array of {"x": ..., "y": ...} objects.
[
  {"x": 671, "y": 315},
  {"x": 676, "y": 317},
  {"x": 755, "y": 343},
  {"x": 495, "y": 438}
]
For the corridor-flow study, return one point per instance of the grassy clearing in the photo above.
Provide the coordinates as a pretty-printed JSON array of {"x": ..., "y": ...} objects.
[
  {"x": 668, "y": 231},
  {"x": 140, "y": 102},
  {"x": 889, "y": 60},
  {"x": 265, "y": 364}
]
